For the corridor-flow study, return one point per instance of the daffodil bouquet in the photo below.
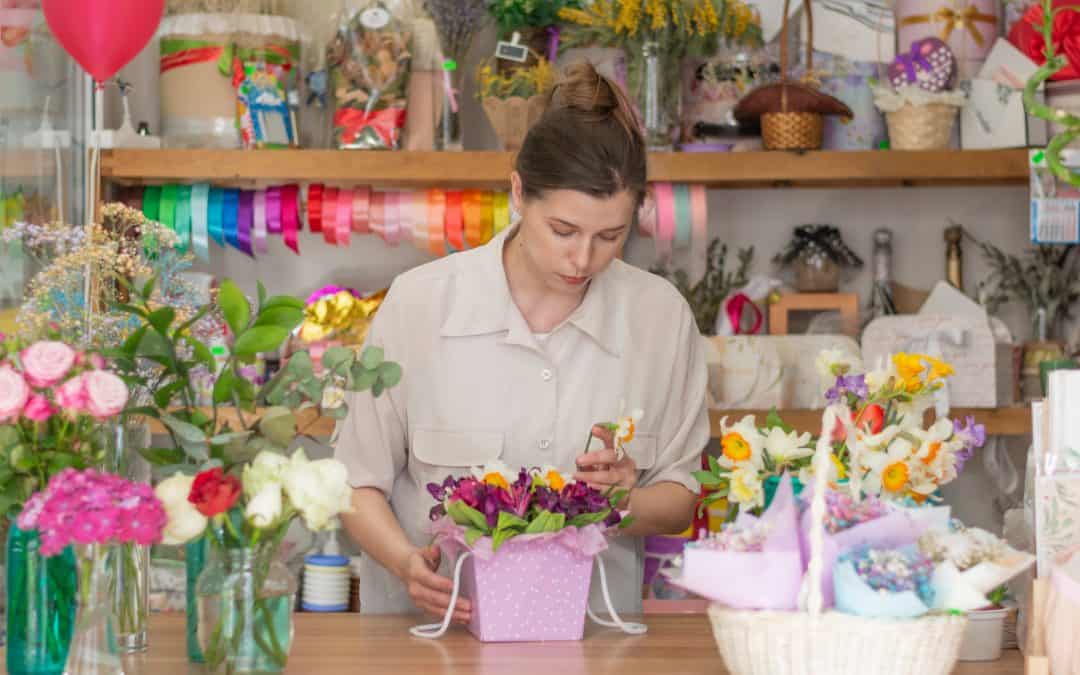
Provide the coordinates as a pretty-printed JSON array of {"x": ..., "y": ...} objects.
[
  {"x": 499, "y": 503},
  {"x": 892, "y": 453}
]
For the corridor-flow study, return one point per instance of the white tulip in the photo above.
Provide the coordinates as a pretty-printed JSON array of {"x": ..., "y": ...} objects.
[
  {"x": 319, "y": 490},
  {"x": 184, "y": 520},
  {"x": 266, "y": 469},
  {"x": 265, "y": 508}
]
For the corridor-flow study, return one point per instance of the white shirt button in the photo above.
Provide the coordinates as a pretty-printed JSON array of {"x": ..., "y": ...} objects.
[
  {"x": 547, "y": 374},
  {"x": 545, "y": 444}
]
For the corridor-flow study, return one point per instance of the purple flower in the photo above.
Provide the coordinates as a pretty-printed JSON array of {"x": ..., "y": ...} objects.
[
  {"x": 845, "y": 385},
  {"x": 327, "y": 291},
  {"x": 973, "y": 435},
  {"x": 440, "y": 491}
]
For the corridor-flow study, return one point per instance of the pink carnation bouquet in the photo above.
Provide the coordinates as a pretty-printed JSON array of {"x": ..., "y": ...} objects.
[{"x": 53, "y": 401}]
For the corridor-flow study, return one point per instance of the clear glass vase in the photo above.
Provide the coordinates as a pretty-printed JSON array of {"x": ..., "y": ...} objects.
[
  {"x": 40, "y": 605},
  {"x": 245, "y": 600},
  {"x": 93, "y": 647},
  {"x": 129, "y": 564},
  {"x": 656, "y": 88},
  {"x": 195, "y": 560},
  {"x": 449, "y": 86}
]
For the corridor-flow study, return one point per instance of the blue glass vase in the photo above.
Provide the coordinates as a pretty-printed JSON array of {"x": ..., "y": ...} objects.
[{"x": 41, "y": 605}]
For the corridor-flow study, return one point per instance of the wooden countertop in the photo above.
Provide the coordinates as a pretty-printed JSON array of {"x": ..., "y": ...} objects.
[{"x": 346, "y": 644}]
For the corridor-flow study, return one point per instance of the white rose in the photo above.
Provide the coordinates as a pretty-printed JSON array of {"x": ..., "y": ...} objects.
[
  {"x": 319, "y": 490},
  {"x": 266, "y": 469},
  {"x": 184, "y": 520},
  {"x": 265, "y": 508}
]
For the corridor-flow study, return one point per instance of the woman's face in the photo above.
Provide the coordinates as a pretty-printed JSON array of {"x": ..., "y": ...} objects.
[{"x": 568, "y": 237}]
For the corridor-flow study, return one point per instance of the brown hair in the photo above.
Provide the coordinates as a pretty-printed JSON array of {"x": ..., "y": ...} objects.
[{"x": 588, "y": 139}]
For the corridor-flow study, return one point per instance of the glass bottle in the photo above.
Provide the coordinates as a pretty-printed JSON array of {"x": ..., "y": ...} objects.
[
  {"x": 881, "y": 293},
  {"x": 954, "y": 271},
  {"x": 93, "y": 647},
  {"x": 448, "y": 131}
]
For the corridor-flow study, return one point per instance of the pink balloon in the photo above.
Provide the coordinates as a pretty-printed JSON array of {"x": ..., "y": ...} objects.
[{"x": 103, "y": 36}]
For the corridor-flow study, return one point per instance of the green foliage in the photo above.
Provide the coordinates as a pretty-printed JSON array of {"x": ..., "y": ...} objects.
[{"x": 706, "y": 296}]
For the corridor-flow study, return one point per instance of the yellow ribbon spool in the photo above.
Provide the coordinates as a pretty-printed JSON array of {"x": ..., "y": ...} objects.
[{"x": 965, "y": 19}]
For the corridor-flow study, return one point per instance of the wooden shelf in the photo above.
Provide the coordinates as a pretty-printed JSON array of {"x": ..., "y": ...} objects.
[
  {"x": 999, "y": 421},
  {"x": 492, "y": 169},
  {"x": 30, "y": 163}
]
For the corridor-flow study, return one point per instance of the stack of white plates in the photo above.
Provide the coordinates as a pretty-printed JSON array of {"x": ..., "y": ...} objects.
[{"x": 326, "y": 584}]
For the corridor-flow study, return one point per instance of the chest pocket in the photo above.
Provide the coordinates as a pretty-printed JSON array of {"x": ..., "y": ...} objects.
[{"x": 437, "y": 453}]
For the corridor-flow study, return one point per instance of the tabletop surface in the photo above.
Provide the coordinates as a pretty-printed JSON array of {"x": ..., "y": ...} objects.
[{"x": 332, "y": 644}]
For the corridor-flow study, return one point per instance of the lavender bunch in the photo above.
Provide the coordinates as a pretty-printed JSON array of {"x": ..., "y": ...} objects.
[{"x": 457, "y": 21}]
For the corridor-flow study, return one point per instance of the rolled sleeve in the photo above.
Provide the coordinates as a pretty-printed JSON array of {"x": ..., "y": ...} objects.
[
  {"x": 684, "y": 425},
  {"x": 372, "y": 438}
]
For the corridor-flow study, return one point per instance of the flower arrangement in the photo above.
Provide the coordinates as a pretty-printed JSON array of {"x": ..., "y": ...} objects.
[
  {"x": 498, "y": 503},
  {"x": 53, "y": 399},
  {"x": 88, "y": 507},
  {"x": 894, "y": 455},
  {"x": 87, "y": 270},
  {"x": 524, "y": 82},
  {"x": 511, "y": 15},
  {"x": 678, "y": 23},
  {"x": 894, "y": 583}
]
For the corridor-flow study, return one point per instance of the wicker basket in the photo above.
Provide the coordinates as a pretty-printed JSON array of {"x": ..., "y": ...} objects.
[
  {"x": 832, "y": 643},
  {"x": 792, "y": 130},
  {"x": 921, "y": 127}
]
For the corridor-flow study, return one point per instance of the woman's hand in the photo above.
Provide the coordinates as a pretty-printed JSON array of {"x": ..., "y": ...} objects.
[
  {"x": 602, "y": 469},
  {"x": 430, "y": 591}
]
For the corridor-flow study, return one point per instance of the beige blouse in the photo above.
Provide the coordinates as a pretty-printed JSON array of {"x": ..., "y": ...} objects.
[{"x": 479, "y": 386}]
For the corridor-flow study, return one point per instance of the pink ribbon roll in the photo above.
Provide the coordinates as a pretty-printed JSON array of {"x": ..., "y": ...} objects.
[
  {"x": 258, "y": 224},
  {"x": 665, "y": 219},
  {"x": 344, "y": 216}
]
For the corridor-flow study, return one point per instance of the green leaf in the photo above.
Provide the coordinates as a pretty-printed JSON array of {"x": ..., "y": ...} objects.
[
  {"x": 714, "y": 466},
  {"x": 338, "y": 413},
  {"x": 500, "y": 537},
  {"x": 164, "y": 395},
  {"x": 707, "y": 479},
  {"x": 337, "y": 359},
  {"x": 546, "y": 521},
  {"x": 260, "y": 339},
  {"x": 162, "y": 456},
  {"x": 9, "y": 436},
  {"x": 279, "y": 425},
  {"x": 234, "y": 306},
  {"x": 300, "y": 365},
  {"x": 472, "y": 535},
  {"x": 182, "y": 328},
  {"x": 186, "y": 432},
  {"x": 372, "y": 357},
  {"x": 153, "y": 345},
  {"x": 589, "y": 518},
  {"x": 148, "y": 287},
  {"x": 201, "y": 352},
  {"x": 362, "y": 378},
  {"x": 22, "y": 458},
  {"x": 774, "y": 421},
  {"x": 509, "y": 520},
  {"x": 131, "y": 344},
  {"x": 261, "y": 293},
  {"x": 283, "y": 317},
  {"x": 377, "y": 388},
  {"x": 224, "y": 386},
  {"x": 230, "y": 437},
  {"x": 626, "y": 522},
  {"x": 244, "y": 391},
  {"x": 389, "y": 374},
  {"x": 312, "y": 388},
  {"x": 463, "y": 514},
  {"x": 162, "y": 319},
  {"x": 283, "y": 301},
  {"x": 132, "y": 309}
]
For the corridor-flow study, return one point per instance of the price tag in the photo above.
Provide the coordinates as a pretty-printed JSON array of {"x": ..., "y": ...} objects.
[{"x": 374, "y": 18}]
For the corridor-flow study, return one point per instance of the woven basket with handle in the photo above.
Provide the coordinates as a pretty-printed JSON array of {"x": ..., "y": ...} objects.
[{"x": 832, "y": 643}]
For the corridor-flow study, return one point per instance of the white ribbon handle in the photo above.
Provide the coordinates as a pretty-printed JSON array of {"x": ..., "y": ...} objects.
[{"x": 433, "y": 631}]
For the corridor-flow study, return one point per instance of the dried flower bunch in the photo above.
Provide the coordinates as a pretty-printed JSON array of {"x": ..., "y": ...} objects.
[
  {"x": 457, "y": 21},
  {"x": 1045, "y": 278},
  {"x": 523, "y": 82}
]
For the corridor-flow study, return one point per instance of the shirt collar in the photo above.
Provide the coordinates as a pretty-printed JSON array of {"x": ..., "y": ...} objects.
[{"x": 481, "y": 304}]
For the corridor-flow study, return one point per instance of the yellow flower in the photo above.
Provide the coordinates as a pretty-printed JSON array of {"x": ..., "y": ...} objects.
[
  {"x": 735, "y": 447},
  {"x": 841, "y": 471},
  {"x": 744, "y": 487},
  {"x": 656, "y": 10},
  {"x": 577, "y": 16},
  {"x": 497, "y": 479},
  {"x": 895, "y": 476},
  {"x": 939, "y": 369},
  {"x": 909, "y": 367}
]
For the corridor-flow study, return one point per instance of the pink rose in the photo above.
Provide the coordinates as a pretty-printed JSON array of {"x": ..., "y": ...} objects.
[
  {"x": 13, "y": 393},
  {"x": 106, "y": 394},
  {"x": 72, "y": 396},
  {"x": 46, "y": 363},
  {"x": 38, "y": 408},
  {"x": 95, "y": 360}
]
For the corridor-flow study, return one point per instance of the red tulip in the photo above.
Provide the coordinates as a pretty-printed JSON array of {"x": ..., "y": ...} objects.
[{"x": 872, "y": 419}]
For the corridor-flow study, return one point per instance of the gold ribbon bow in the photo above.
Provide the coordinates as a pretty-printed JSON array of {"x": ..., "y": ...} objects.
[
  {"x": 341, "y": 314},
  {"x": 951, "y": 19}
]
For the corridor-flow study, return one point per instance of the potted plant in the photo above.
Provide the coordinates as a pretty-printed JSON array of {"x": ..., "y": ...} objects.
[
  {"x": 537, "y": 23},
  {"x": 985, "y": 630},
  {"x": 514, "y": 100}
]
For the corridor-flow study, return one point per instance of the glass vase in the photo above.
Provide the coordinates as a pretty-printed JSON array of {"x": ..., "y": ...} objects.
[
  {"x": 93, "y": 648},
  {"x": 195, "y": 560},
  {"x": 449, "y": 87},
  {"x": 40, "y": 605},
  {"x": 245, "y": 602},
  {"x": 129, "y": 564},
  {"x": 656, "y": 88}
]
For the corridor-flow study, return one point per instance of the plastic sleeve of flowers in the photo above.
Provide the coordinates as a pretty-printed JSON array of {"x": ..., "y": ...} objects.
[
  {"x": 854, "y": 596},
  {"x": 432, "y": 631},
  {"x": 588, "y": 540},
  {"x": 810, "y": 595}
]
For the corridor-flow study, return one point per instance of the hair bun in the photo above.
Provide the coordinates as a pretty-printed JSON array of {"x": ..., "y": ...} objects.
[{"x": 584, "y": 91}]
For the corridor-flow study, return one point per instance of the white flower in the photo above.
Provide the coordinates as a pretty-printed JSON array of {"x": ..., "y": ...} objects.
[
  {"x": 934, "y": 463},
  {"x": 740, "y": 444},
  {"x": 878, "y": 441},
  {"x": 784, "y": 448},
  {"x": 912, "y": 414},
  {"x": 745, "y": 487},
  {"x": 184, "y": 520},
  {"x": 888, "y": 472},
  {"x": 267, "y": 468},
  {"x": 319, "y": 490},
  {"x": 333, "y": 397},
  {"x": 877, "y": 378},
  {"x": 265, "y": 508},
  {"x": 552, "y": 477},
  {"x": 832, "y": 363}
]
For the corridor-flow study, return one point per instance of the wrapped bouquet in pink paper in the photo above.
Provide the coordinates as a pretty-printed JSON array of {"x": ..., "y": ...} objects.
[
  {"x": 524, "y": 544},
  {"x": 753, "y": 563}
]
